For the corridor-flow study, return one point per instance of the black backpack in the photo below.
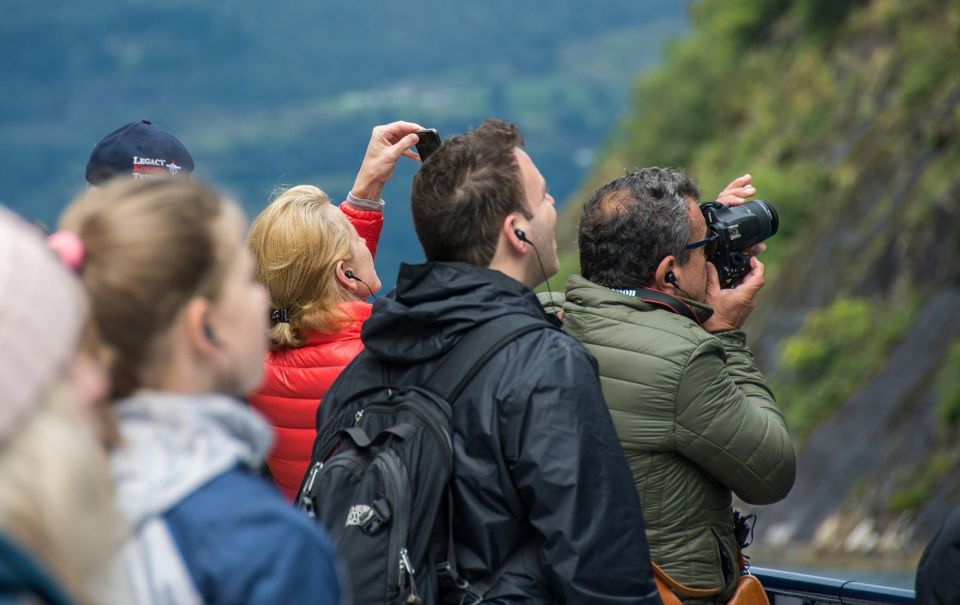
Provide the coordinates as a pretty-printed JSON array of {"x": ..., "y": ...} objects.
[{"x": 380, "y": 471}]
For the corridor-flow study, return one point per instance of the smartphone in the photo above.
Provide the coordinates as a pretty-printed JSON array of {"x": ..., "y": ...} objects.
[{"x": 429, "y": 142}]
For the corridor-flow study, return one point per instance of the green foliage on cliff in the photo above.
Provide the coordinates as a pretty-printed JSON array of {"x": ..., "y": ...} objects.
[
  {"x": 838, "y": 349},
  {"x": 847, "y": 114},
  {"x": 814, "y": 99},
  {"x": 918, "y": 484},
  {"x": 948, "y": 390}
]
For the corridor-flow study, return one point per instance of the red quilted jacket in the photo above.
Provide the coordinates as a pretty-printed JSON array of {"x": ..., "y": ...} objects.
[{"x": 296, "y": 379}]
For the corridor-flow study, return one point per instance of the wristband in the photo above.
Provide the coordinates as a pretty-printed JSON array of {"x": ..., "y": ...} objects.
[{"x": 365, "y": 204}]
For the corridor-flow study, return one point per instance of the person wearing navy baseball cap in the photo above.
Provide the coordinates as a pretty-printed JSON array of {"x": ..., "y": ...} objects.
[{"x": 139, "y": 149}]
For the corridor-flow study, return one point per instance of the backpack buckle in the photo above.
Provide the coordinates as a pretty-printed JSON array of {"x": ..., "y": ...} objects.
[
  {"x": 370, "y": 518},
  {"x": 447, "y": 570}
]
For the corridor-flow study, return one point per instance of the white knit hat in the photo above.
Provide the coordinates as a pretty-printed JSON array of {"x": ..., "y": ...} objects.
[{"x": 42, "y": 310}]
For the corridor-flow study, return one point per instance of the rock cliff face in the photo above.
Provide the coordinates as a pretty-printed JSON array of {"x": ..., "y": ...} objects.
[
  {"x": 848, "y": 117},
  {"x": 854, "y": 466},
  {"x": 878, "y": 474}
]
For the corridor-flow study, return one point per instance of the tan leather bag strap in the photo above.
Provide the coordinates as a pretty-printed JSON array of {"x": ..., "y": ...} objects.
[
  {"x": 682, "y": 589},
  {"x": 749, "y": 591},
  {"x": 667, "y": 596}
]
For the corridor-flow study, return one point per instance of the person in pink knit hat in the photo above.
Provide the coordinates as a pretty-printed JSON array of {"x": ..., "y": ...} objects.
[
  {"x": 316, "y": 260},
  {"x": 53, "y": 469}
]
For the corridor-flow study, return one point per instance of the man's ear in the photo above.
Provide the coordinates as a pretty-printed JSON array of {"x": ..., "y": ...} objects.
[
  {"x": 509, "y": 231},
  {"x": 196, "y": 328},
  {"x": 347, "y": 283},
  {"x": 661, "y": 281}
]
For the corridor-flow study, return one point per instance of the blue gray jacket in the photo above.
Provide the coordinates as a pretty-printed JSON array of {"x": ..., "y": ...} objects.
[{"x": 206, "y": 529}]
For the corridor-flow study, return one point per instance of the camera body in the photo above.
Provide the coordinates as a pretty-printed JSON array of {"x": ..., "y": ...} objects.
[{"x": 736, "y": 229}]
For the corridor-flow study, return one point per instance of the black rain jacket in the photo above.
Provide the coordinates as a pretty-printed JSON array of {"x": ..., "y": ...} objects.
[
  {"x": 537, "y": 462},
  {"x": 938, "y": 575}
]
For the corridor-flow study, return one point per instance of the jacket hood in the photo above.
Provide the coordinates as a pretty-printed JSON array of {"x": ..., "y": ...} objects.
[
  {"x": 434, "y": 304},
  {"x": 174, "y": 443}
]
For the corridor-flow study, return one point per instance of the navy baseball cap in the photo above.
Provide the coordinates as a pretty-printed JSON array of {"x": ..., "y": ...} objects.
[{"x": 139, "y": 149}]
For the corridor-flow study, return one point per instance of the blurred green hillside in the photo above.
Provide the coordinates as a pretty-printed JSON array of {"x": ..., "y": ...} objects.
[
  {"x": 266, "y": 94},
  {"x": 847, "y": 114}
]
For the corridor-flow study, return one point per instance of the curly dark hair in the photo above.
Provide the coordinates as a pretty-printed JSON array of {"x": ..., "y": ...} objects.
[{"x": 632, "y": 223}]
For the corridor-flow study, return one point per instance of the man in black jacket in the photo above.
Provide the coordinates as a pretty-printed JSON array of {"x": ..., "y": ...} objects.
[
  {"x": 938, "y": 575},
  {"x": 540, "y": 482}
]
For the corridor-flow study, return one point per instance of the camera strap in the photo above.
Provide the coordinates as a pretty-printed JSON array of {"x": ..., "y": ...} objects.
[{"x": 662, "y": 301}]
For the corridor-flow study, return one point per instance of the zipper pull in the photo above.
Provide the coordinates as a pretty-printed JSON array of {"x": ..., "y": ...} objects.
[
  {"x": 357, "y": 417},
  {"x": 312, "y": 478},
  {"x": 405, "y": 564},
  {"x": 306, "y": 500},
  {"x": 407, "y": 567}
]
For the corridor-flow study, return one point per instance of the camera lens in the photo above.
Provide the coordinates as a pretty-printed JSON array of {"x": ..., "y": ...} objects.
[{"x": 772, "y": 215}]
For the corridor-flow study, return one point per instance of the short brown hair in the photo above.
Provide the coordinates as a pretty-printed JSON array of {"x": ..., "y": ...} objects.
[
  {"x": 462, "y": 193},
  {"x": 150, "y": 246},
  {"x": 296, "y": 243}
]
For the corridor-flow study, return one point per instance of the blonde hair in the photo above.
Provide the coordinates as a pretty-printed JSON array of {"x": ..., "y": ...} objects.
[
  {"x": 56, "y": 496},
  {"x": 296, "y": 243},
  {"x": 150, "y": 247}
]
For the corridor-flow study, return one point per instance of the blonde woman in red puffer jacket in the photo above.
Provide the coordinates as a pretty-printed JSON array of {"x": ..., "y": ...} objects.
[{"x": 316, "y": 260}]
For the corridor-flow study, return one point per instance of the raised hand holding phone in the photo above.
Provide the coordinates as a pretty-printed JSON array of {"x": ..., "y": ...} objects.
[
  {"x": 387, "y": 143},
  {"x": 428, "y": 143}
]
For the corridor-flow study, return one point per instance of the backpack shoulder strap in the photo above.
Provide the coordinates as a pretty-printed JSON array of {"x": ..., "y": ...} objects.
[
  {"x": 476, "y": 348},
  {"x": 452, "y": 375}
]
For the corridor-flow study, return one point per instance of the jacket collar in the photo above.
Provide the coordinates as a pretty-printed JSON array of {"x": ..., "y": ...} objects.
[
  {"x": 644, "y": 299},
  {"x": 355, "y": 313},
  {"x": 691, "y": 309},
  {"x": 173, "y": 443},
  {"x": 435, "y": 304}
]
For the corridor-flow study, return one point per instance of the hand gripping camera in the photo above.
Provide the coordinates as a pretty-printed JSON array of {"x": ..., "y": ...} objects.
[{"x": 736, "y": 229}]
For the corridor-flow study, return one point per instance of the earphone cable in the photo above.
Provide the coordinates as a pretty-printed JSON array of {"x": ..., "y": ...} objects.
[{"x": 542, "y": 270}]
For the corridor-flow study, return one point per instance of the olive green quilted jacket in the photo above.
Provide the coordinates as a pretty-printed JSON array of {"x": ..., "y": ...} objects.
[{"x": 696, "y": 420}]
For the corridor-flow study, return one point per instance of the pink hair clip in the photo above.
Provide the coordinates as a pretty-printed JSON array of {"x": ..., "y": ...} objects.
[{"x": 69, "y": 247}]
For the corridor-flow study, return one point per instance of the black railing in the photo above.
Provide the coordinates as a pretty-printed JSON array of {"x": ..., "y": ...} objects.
[{"x": 787, "y": 587}]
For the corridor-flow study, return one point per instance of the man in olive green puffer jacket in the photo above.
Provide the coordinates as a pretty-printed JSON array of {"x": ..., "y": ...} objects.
[{"x": 694, "y": 414}]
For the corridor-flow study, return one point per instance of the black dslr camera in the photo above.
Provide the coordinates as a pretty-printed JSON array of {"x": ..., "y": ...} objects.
[{"x": 736, "y": 229}]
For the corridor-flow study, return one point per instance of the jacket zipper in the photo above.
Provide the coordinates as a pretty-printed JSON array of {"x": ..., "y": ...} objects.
[
  {"x": 406, "y": 567},
  {"x": 396, "y": 485}
]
